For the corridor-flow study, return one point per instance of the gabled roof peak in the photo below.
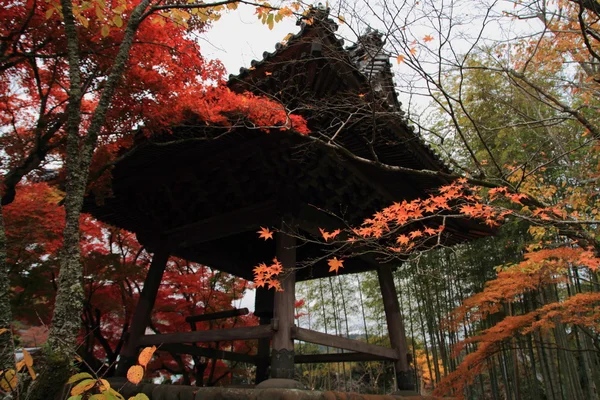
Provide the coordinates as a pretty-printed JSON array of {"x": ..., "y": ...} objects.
[{"x": 319, "y": 15}]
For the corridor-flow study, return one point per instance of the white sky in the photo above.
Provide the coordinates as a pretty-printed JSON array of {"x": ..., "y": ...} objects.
[{"x": 238, "y": 37}]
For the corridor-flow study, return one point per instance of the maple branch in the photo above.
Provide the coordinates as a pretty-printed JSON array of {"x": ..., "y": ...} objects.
[
  {"x": 517, "y": 76},
  {"x": 397, "y": 168}
]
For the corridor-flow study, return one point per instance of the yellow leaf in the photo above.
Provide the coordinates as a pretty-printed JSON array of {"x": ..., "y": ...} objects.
[
  {"x": 146, "y": 355},
  {"x": 104, "y": 385},
  {"x": 400, "y": 59},
  {"x": 105, "y": 30},
  {"x": 99, "y": 13},
  {"x": 27, "y": 358},
  {"x": 98, "y": 397},
  {"x": 49, "y": 13},
  {"x": 8, "y": 380},
  {"x": 31, "y": 372},
  {"x": 232, "y": 6},
  {"x": 139, "y": 396},
  {"x": 20, "y": 365},
  {"x": 118, "y": 21},
  {"x": 341, "y": 19},
  {"x": 78, "y": 377},
  {"x": 135, "y": 374},
  {"x": 3, "y": 330},
  {"x": 83, "y": 387}
]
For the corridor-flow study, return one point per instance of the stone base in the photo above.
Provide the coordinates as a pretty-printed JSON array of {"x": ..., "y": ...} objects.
[
  {"x": 405, "y": 393},
  {"x": 278, "y": 383}
]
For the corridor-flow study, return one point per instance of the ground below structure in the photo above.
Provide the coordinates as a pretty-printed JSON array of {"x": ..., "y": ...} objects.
[{"x": 182, "y": 392}]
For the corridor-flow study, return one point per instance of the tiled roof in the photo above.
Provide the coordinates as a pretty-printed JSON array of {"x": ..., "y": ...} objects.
[{"x": 368, "y": 56}]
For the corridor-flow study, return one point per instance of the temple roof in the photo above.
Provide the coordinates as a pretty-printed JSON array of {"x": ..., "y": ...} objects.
[{"x": 205, "y": 199}]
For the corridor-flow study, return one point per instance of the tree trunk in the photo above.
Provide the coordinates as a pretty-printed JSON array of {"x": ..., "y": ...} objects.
[{"x": 7, "y": 349}]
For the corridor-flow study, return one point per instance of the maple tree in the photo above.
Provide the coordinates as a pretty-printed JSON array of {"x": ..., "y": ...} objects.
[
  {"x": 114, "y": 268},
  {"x": 70, "y": 71}
]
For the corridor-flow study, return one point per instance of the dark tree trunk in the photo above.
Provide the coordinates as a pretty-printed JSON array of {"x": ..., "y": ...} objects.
[{"x": 7, "y": 350}]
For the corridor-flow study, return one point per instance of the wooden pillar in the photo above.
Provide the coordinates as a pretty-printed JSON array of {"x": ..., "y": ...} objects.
[
  {"x": 404, "y": 376},
  {"x": 263, "y": 309},
  {"x": 143, "y": 310},
  {"x": 282, "y": 351}
]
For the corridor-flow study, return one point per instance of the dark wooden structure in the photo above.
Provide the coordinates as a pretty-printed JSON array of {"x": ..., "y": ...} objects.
[{"x": 204, "y": 200}]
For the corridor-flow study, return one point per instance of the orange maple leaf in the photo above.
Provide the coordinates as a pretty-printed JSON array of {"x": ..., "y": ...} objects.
[
  {"x": 415, "y": 234},
  {"x": 402, "y": 239},
  {"x": 276, "y": 267},
  {"x": 275, "y": 284},
  {"x": 327, "y": 235},
  {"x": 430, "y": 231},
  {"x": 400, "y": 59},
  {"x": 335, "y": 264},
  {"x": 260, "y": 269},
  {"x": 413, "y": 51},
  {"x": 428, "y": 38},
  {"x": 265, "y": 233}
]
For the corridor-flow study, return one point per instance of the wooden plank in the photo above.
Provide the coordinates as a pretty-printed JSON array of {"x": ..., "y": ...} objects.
[
  {"x": 215, "y": 335},
  {"x": 336, "y": 357},
  {"x": 325, "y": 339},
  {"x": 216, "y": 315},
  {"x": 208, "y": 353},
  {"x": 223, "y": 225}
]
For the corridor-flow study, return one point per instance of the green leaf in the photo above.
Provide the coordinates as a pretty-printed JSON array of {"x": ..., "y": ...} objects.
[
  {"x": 78, "y": 397},
  {"x": 79, "y": 376},
  {"x": 116, "y": 394},
  {"x": 105, "y": 30}
]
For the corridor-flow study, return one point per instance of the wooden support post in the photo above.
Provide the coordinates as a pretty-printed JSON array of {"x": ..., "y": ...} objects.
[
  {"x": 143, "y": 310},
  {"x": 282, "y": 352},
  {"x": 263, "y": 309},
  {"x": 404, "y": 376}
]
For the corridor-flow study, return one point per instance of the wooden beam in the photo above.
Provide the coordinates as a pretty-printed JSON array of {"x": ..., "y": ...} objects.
[
  {"x": 216, "y": 315},
  {"x": 223, "y": 225},
  {"x": 310, "y": 336},
  {"x": 262, "y": 358},
  {"x": 397, "y": 335},
  {"x": 282, "y": 354},
  {"x": 216, "y": 335},
  {"x": 143, "y": 310},
  {"x": 208, "y": 352},
  {"x": 336, "y": 357}
]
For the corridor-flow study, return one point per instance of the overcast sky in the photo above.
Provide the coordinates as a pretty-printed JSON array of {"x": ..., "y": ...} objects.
[{"x": 238, "y": 37}]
